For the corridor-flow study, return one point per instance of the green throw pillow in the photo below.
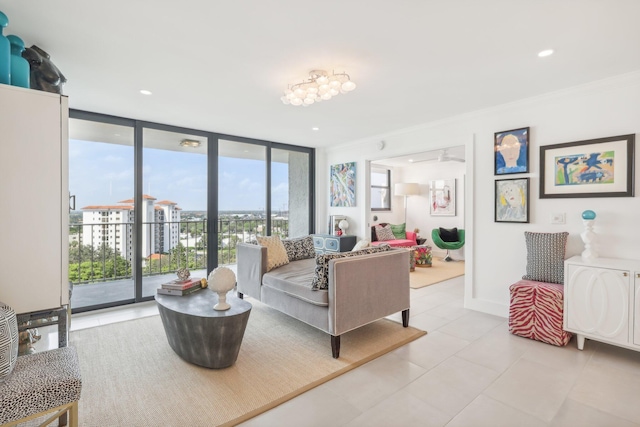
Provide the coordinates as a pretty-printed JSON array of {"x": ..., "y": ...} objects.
[{"x": 399, "y": 231}]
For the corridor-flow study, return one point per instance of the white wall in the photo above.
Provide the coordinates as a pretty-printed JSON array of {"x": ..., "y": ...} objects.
[{"x": 495, "y": 252}]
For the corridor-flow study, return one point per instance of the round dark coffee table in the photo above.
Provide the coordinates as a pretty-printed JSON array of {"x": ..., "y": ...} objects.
[{"x": 198, "y": 333}]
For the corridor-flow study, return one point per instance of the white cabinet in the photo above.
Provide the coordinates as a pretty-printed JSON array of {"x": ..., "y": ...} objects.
[
  {"x": 34, "y": 199},
  {"x": 602, "y": 301}
]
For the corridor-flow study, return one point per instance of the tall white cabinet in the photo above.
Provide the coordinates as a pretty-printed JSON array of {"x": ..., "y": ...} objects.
[
  {"x": 34, "y": 202},
  {"x": 602, "y": 301}
]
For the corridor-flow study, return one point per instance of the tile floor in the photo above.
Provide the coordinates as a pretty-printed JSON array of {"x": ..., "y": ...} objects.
[{"x": 467, "y": 371}]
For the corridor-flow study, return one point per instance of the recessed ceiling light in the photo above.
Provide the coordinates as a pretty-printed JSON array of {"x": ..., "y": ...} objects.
[
  {"x": 145, "y": 92},
  {"x": 190, "y": 143},
  {"x": 545, "y": 53},
  {"x": 410, "y": 160},
  {"x": 315, "y": 128}
]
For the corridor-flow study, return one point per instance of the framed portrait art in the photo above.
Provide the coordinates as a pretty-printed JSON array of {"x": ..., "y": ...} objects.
[
  {"x": 601, "y": 167},
  {"x": 512, "y": 200},
  {"x": 511, "y": 151}
]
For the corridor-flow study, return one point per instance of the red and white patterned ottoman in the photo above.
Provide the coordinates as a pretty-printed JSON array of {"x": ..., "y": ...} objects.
[{"x": 536, "y": 311}]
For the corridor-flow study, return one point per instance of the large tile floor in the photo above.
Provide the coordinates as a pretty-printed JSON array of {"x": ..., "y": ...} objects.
[{"x": 467, "y": 371}]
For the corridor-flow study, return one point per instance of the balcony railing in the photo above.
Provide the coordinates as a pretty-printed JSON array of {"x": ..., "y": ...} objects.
[{"x": 105, "y": 252}]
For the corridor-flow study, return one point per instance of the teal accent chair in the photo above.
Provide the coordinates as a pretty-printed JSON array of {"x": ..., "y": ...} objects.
[{"x": 437, "y": 240}]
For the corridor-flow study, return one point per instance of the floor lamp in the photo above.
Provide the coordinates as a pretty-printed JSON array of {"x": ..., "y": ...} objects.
[{"x": 406, "y": 189}]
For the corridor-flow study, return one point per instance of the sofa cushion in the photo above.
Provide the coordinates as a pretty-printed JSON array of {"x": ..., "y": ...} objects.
[
  {"x": 276, "y": 254},
  {"x": 399, "y": 231},
  {"x": 449, "y": 235},
  {"x": 294, "y": 278},
  {"x": 321, "y": 278},
  {"x": 362, "y": 244},
  {"x": 545, "y": 256},
  {"x": 384, "y": 233},
  {"x": 299, "y": 248}
]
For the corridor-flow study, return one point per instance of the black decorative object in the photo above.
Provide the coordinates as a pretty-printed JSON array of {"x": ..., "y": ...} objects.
[{"x": 44, "y": 74}]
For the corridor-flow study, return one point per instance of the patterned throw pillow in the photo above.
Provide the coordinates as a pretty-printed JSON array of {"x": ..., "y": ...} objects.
[
  {"x": 399, "y": 231},
  {"x": 545, "y": 256},
  {"x": 384, "y": 233},
  {"x": 321, "y": 279},
  {"x": 299, "y": 248},
  {"x": 276, "y": 254}
]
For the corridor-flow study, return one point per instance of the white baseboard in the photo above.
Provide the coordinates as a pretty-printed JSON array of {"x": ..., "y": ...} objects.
[{"x": 488, "y": 307}]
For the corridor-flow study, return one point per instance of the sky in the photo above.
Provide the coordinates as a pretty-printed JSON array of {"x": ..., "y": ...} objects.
[{"x": 102, "y": 174}]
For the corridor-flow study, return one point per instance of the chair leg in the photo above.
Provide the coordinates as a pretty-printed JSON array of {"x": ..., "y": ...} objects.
[
  {"x": 405, "y": 318},
  {"x": 335, "y": 346},
  {"x": 448, "y": 258}
]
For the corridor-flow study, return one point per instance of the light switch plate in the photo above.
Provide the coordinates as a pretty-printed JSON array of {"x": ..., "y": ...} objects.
[{"x": 557, "y": 218}]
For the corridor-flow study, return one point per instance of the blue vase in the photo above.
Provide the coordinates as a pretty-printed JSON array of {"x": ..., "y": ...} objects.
[
  {"x": 5, "y": 52},
  {"x": 19, "y": 65}
]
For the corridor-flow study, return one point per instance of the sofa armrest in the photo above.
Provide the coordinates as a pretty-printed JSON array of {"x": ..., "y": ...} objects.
[
  {"x": 412, "y": 236},
  {"x": 252, "y": 264},
  {"x": 365, "y": 288}
]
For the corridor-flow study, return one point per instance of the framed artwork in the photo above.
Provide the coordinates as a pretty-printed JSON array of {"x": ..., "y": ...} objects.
[
  {"x": 512, "y": 200},
  {"x": 511, "y": 151},
  {"x": 601, "y": 167},
  {"x": 443, "y": 197},
  {"x": 342, "y": 184}
]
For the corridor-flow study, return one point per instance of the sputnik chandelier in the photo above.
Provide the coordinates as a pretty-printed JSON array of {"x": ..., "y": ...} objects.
[{"x": 320, "y": 86}]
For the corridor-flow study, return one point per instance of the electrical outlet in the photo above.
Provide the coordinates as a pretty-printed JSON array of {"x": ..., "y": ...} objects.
[{"x": 557, "y": 218}]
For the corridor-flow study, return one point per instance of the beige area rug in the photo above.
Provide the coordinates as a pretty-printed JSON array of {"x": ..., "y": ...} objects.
[
  {"x": 438, "y": 272},
  {"x": 131, "y": 376}
]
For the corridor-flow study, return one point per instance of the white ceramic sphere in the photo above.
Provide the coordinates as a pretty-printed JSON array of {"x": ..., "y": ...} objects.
[{"x": 222, "y": 279}]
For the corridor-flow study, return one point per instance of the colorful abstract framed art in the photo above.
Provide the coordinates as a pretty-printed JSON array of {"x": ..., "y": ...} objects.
[
  {"x": 342, "y": 183},
  {"x": 601, "y": 167}
]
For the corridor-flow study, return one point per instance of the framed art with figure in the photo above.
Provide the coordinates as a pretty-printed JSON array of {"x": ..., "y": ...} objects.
[
  {"x": 602, "y": 167},
  {"x": 511, "y": 151},
  {"x": 443, "y": 197},
  {"x": 512, "y": 200}
]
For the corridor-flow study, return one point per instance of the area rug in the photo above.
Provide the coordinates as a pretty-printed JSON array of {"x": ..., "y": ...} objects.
[
  {"x": 131, "y": 376},
  {"x": 438, "y": 272}
]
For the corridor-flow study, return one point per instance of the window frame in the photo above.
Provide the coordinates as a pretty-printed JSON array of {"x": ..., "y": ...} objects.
[{"x": 388, "y": 187}]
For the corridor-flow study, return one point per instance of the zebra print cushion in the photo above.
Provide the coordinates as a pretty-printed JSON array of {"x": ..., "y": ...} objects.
[
  {"x": 545, "y": 256},
  {"x": 536, "y": 312}
]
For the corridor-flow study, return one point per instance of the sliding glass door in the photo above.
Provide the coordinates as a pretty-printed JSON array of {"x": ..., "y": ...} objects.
[
  {"x": 173, "y": 207},
  {"x": 151, "y": 199}
]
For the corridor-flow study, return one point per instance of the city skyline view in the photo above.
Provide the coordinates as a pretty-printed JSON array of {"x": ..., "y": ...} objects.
[{"x": 171, "y": 175}]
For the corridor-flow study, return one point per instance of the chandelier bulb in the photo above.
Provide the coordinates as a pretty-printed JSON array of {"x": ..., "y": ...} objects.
[
  {"x": 348, "y": 86},
  {"x": 296, "y": 101}
]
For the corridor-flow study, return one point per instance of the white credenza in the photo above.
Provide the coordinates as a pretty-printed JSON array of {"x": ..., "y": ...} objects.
[
  {"x": 34, "y": 199},
  {"x": 602, "y": 301}
]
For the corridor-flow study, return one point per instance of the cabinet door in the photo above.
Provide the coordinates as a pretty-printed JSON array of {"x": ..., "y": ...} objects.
[
  {"x": 598, "y": 302},
  {"x": 34, "y": 184},
  {"x": 636, "y": 310}
]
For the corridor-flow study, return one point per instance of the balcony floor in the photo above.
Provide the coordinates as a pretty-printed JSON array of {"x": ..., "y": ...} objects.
[{"x": 100, "y": 293}]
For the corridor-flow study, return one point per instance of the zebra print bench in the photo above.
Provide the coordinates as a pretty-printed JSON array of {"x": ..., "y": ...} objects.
[{"x": 536, "y": 311}]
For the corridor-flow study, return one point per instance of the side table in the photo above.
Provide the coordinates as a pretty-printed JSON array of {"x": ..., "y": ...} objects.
[
  {"x": 328, "y": 243},
  {"x": 198, "y": 333}
]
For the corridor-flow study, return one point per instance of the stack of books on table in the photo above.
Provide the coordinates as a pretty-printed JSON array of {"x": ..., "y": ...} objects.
[{"x": 181, "y": 287}]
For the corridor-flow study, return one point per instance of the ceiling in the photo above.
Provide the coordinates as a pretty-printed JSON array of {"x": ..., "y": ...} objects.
[{"x": 222, "y": 66}]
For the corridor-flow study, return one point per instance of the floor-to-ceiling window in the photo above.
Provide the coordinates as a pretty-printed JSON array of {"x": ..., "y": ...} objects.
[
  {"x": 101, "y": 185},
  {"x": 174, "y": 206},
  {"x": 152, "y": 198}
]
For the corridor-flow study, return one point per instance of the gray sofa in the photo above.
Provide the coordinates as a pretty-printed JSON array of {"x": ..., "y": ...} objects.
[{"x": 362, "y": 289}]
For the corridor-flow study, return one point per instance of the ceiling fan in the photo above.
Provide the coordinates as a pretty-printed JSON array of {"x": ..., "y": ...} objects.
[{"x": 443, "y": 156}]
